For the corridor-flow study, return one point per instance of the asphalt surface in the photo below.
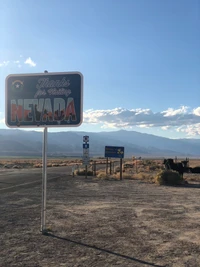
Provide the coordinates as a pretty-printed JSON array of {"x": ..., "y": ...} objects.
[{"x": 14, "y": 179}]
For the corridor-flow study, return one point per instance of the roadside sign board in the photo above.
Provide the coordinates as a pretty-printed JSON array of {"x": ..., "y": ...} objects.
[
  {"x": 114, "y": 152},
  {"x": 85, "y": 146},
  {"x": 85, "y": 152},
  {"x": 85, "y": 139},
  {"x": 86, "y": 161},
  {"x": 86, "y": 157},
  {"x": 44, "y": 100}
]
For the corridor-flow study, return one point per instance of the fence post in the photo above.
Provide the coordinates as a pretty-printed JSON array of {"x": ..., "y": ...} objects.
[
  {"x": 120, "y": 169},
  {"x": 106, "y": 165}
]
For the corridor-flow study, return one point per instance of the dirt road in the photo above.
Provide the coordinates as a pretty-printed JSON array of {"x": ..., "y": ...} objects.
[{"x": 101, "y": 223}]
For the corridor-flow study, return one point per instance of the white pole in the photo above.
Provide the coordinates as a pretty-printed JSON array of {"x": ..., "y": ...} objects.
[{"x": 44, "y": 181}]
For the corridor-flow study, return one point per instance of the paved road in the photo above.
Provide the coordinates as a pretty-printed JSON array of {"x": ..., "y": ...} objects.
[{"x": 13, "y": 179}]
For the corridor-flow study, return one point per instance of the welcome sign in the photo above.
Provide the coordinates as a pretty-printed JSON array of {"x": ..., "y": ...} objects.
[{"x": 44, "y": 100}]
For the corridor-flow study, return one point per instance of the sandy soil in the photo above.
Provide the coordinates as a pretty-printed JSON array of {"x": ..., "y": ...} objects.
[{"x": 101, "y": 223}]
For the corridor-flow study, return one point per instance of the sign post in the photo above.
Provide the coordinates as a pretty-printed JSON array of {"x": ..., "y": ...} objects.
[
  {"x": 44, "y": 179},
  {"x": 115, "y": 152},
  {"x": 44, "y": 182},
  {"x": 86, "y": 159},
  {"x": 120, "y": 168},
  {"x": 106, "y": 166},
  {"x": 42, "y": 100}
]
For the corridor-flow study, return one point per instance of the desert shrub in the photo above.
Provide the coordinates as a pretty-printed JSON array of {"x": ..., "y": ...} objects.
[
  {"x": 37, "y": 166},
  {"x": 117, "y": 169},
  {"x": 63, "y": 164},
  {"x": 102, "y": 175},
  {"x": 153, "y": 167},
  {"x": 168, "y": 177},
  {"x": 147, "y": 162},
  {"x": 140, "y": 176},
  {"x": 124, "y": 176},
  {"x": 82, "y": 172},
  {"x": 144, "y": 177}
]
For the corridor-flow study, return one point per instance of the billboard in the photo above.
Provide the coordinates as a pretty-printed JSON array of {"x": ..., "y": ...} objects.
[
  {"x": 114, "y": 152},
  {"x": 44, "y": 100}
]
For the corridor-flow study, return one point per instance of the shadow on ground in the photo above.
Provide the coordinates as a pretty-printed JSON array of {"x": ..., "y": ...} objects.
[{"x": 104, "y": 250}]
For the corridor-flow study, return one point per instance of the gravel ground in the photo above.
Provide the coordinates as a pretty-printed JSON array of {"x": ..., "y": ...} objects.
[{"x": 101, "y": 223}]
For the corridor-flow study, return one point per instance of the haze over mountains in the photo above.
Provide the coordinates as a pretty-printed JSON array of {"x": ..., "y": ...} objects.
[{"x": 29, "y": 143}]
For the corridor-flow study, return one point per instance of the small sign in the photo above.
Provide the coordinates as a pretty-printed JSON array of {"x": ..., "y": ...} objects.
[
  {"x": 86, "y": 156},
  {"x": 114, "y": 152},
  {"x": 85, "y": 146},
  {"x": 44, "y": 100},
  {"x": 85, "y": 152},
  {"x": 86, "y": 161},
  {"x": 86, "y": 139}
]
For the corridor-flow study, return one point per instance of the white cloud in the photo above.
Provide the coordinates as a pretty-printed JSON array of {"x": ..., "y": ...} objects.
[
  {"x": 4, "y": 63},
  {"x": 181, "y": 120},
  {"x": 196, "y": 111},
  {"x": 165, "y": 128},
  {"x": 191, "y": 130},
  {"x": 172, "y": 112},
  {"x": 146, "y": 118},
  {"x": 18, "y": 63},
  {"x": 30, "y": 62}
]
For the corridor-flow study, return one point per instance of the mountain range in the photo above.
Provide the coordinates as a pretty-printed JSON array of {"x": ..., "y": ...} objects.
[{"x": 14, "y": 142}]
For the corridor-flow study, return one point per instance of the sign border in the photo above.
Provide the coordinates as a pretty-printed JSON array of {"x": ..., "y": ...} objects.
[{"x": 43, "y": 74}]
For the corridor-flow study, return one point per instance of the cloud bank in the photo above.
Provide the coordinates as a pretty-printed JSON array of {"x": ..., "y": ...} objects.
[{"x": 183, "y": 119}]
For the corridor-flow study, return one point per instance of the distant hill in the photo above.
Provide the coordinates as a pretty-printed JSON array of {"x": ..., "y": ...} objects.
[{"x": 14, "y": 142}]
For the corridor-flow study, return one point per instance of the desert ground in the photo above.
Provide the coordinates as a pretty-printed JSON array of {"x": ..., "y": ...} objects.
[{"x": 98, "y": 221}]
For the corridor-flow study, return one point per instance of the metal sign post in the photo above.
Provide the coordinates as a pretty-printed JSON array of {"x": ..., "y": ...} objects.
[
  {"x": 106, "y": 166},
  {"x": 114, "y": 152},
  {"x": 86, "y": 158},
  {"x": 44, "y": 182},
  {"x": 136, "y": 165},
  {"x": 121, "y": 169}
]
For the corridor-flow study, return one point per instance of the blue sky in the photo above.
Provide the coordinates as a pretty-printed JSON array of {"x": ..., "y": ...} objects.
[{"x": 140, "y": 58}]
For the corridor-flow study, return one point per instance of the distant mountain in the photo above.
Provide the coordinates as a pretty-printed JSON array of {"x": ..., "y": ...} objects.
[{"x": 29, "y": 143}]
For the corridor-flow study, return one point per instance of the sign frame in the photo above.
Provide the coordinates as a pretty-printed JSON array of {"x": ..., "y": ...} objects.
[{"x": 43, "y": 125}]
